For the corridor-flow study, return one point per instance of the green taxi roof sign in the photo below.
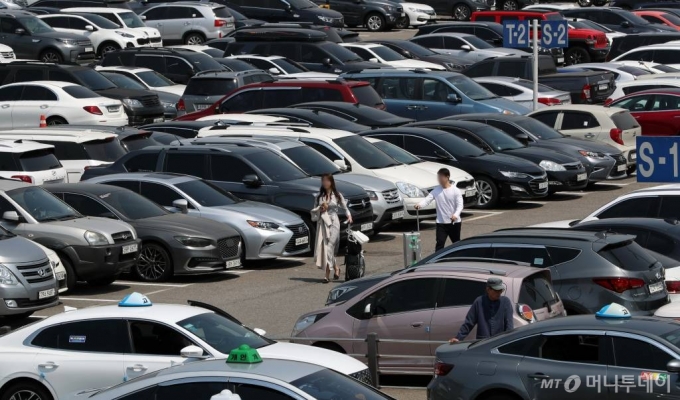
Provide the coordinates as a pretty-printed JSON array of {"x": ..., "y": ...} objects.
[{"x": 244, "y": 354}]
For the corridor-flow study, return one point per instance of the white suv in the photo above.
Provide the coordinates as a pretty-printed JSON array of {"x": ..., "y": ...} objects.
[
  {"x": 665, "y": 53},
  {"x": 384, "y": 55},
  {"x": 123, "y": 17},
  {"x": 30, "y": 162}
]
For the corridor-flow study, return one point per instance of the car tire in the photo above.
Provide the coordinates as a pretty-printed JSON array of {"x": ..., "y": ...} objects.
[
  {"x": 107, "y": 47},
  {"x": 70, "y": 272},
  {"x": 51, "y": 56},
  {"x": 154, "y": 264},
  {"x": 576, "y": 55},
  {"x": 584, "y": 3},
  {"x": 403, "y": 23},
  {"x": 488, "y": 192},
  {"x": 18, "y": 317},
  {"x": 26, "y": 389},
  {"x": 510, "y": 5},
  {"x": 103, "y": 281},
  {"x": 375, "y": 22},
  {"x": 194, "y": 38},
  {"x": 51, "y": 121},
  {"x": 461, "y": 12}
]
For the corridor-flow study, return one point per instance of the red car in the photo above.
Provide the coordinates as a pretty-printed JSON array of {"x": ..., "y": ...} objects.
[
  {"x": 286, "y": 93},
  {"x": 659, "y": 17},
  {"x": 657, "y": 111}
]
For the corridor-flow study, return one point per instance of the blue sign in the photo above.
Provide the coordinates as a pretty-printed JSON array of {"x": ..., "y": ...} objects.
[
  {"x": 552, "y": 34},
  {"x": 658, "y": 159}
]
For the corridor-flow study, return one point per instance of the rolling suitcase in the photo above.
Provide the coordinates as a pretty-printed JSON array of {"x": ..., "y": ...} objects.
[
  {"x": 412, "y": 245},
  {"x": 355, "y": 264}
]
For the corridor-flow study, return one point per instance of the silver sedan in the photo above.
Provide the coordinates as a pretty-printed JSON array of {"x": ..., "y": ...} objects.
[{"x": 521, "y": 91}]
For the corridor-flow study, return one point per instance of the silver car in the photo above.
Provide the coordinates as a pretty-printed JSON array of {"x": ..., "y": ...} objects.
[
  {"x": 267, "y": 231},
  {"x": 189, "y": 22},
  {"x": 464, "y": 45},
  {"x": 521, "y": 91}
]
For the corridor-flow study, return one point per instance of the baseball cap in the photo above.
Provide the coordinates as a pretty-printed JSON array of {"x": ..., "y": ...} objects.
[{"x": 495, "y": 284}]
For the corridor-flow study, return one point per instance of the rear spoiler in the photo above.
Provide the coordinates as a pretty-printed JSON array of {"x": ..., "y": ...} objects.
[{"x": 611, "y": 239}]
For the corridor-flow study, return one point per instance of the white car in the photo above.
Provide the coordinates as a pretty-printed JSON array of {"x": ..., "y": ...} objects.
[
  {"x": 655, "y": 69},
  {"x": 252, "y": 118},
  {"x": 667, "y": 54},
  {"x": 416, "y": 14},
  {"x": 464, "y": 45},
  {"x": 7, "y": 54},
  {"x": 626, "y": 88},
  {"x": 59, "y": 103},
  {"x": 97, "y": 347},
  {"x": 282, "y": 67},
  {"x": 660, "y": 75},
  {"x": 384, "y": 55},
  {"x": 149, "y": 78},
  {"x": 31, "y": 162},
  {"x": 105, "y": 35},
  {"x": 125, "y": 18},
  {"x": 521, "y": 91},
  {"x": 551, "y": 7},
  {"x": 622, "y": 72}
]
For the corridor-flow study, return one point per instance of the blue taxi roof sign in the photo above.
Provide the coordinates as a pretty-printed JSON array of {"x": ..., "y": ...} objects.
[
  {"x": 226, "y": 394},
  {"x": 613, "y": 310},
  {"x": 135, "y": 300}
]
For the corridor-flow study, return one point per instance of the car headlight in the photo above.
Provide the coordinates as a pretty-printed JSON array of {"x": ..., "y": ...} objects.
[
  {"x": 167, "y": 104},
  {"x": 69, "y": 42},
  {"x": 7, "y": 277},
  {"x": 591, "y": 154},
  {"x": 125, "y": 35},
  {"x": 513, "y": 174},
  {"x": 95, "y": 238},
  {"x": 305, "y": 322},
  {"x": 324, "y": 18},
  {"x": 372, "y": 195},
  {"x": 191, "y": 241},
  {"x": 335, "y": 293},
  {"x": 267, "y": 226},
  {"x": 388, "y": 8},
  {"x": 410, "y": 190},
  {"x": 132, "y": 103},
  {"x": 551, "y": 166},
  {"x": 508, "y": 112}
]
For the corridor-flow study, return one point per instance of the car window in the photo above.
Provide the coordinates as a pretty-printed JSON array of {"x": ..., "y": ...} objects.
[
  {"x": 560, "y": 255},
  {"x": 157, "y": 339},
  {"x": 145, "y": 162},
  {"x": 496, "y": 88},
  {"x": 180, "y": 13},
  {"x": 132, "y": 205},
  {"x": 38, "y": 160},
  {"x": 660, "y": 243},
  {"x": 202, "y": 390},
  {"x": 405, "y": 296},
  {"x": 549, "y": 118},
  {"x": 37, "y": 93},
  {"x": 505, "y": 127},
  {"x": 642, "y": 55},
  {"x": 242, "y": 102},
  {"x": 666, "y": 56},
  {"x": 57, "y": 22},
  {"x": 399, "y": 88},
  {"x": 535, "y": 256},
  {"x": 275, "y": 167},
  {"x": 578, "y": 120},
  {"x": 186, "y": 163},
  {"x": 436, "y": 90},
  {"x": 628, "y": 256},
  {"x": 11, "y": 93},
  {"x": 156, "y": 13},
  {"x": 311, "y": 54},
  {"x": 80, "y": 92},
  {"x": 638, "y": 207},
  {"x": 634, "y": 353},
  {"x": 9, "y": 25},
  {"x": 433, "y": 42},
  {"x": 523, "y": 347},
  {"x": 160, "y": 194},
  {"x": 177, "y": 66},
  {"x": 367, "y": 96},
  {"x": 130, "y": 185},
  {"x": 151, "y": 62},
  {"x": 229, "y": 169},
  {"x": 363, "y": 53},
  {"x": 635, "y": 103},
  {"x": 108, "y": 150},
  {"x": 669, "y": 207},
  {"x": 86, "y": 336},
  {"x": 323, "y": 149},
  {"x": 512, "y": 68},
  {"x": 660, "y": 103},
  {"x": 537, "y": 291},
  {"x": 460, "y": 292},
  {"x": 573, "y": 348},
  {"x": 78, "y": 24},
  {"x": 610, "y": 18},
  {"x": 58, "y": 75},
  {"x": 288, "y": 50},
  {"x": 87, "y": 206},
  {"x": 7, "y": 162},
  {"x": 421, "y": 147},
  {"x": 480, "y": 69},
  {"x": 210, "y": 87}
]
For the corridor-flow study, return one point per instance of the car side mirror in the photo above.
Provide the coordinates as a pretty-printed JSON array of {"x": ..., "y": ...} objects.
[
  {"x": 625, "y": 24},
  {"x": 341, "y": 164},
  {"x": 522, "y": 137},
  {"x": 453, "y": 98},
  {"x": 191, "y": 352},
  {"x": 252, "y": 180},
  {"x": 182, "y": 205},
  {"x": 373, "y": 59},
  {"x": 12, "y": 216},
  {"x": 260, "y": 332},
  {"x": 326, "y": 61},
  {"x": 466, "y": 47},
  {"x": 89, "y": 28},
  {"x": 673, "y": 366},
  {"x": 274, "y": 71},
  {"x": 20, "y": 31}
]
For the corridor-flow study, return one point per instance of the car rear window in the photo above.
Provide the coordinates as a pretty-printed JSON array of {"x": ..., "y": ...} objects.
[
  {"x": 39, "y": 160},
  {"x": 210, "y": 87},
  {"x": 554, "y": 16},
  {"x": 222, "y": 12},
  {"x": 629, "y": 256},
  {"x": 537, "y": 291},
  {"x": 367, "y": 96},
  {"x": 80, "y": 92},
  {"x": 623, "y": 120},
  {"x": 108, "y": 150}
]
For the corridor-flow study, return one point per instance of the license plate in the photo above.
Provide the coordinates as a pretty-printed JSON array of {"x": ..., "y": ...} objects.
[
  {"x": 131, "y": 248},
  {"x": 49, "y": 293},
  {"x": 581, "y": 177},
  {"x": 302, "y": 240},
  {"x": 159, "y": 119},
  {"x": 89, "y": 49},
  {"x": 633, "y": 156},
  {"x": 621, "y": 167},
  {"x": 397, "y": 215},
  {"x": 543, "y": 185},
  {"x": 233, "y": 264},
  {"x": 560, "y": 59},
  {"x": 603, "y": 87},
  {"x": 61, "y": 276},
  {"x": 470, "y": 193},
  {"x": 202, "y": 106},
  {"x": 367, "y": 227},
  {"x": 655, "y": 287}
]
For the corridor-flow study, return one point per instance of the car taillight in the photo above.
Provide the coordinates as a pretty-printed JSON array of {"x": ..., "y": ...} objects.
[
  {"x": 673, "y": 287},
  {"x": 93, "y": 110},
  {"x": 23, "y": 178},
  {"x": 220, "y": 22},
  {"x": 585, "y": 92},
  {"x": 620, "y": 285},
  {"x": 608, "y": 102},
  {"x": 525, "y": 312},
  {"x": 441, "y": 369},
  {"x": 615, "y": 134},
  {"x": 180, "y": 105},
  {"x": 549, "y": 101}
]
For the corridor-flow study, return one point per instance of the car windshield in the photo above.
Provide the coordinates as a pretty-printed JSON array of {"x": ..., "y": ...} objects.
[
  {"x": 497, "y": 140},
  {"x": 123, "y": 81},
  {"x": 634, "y": 18},
  {"x": 41, "y": 205},
  {"x": 237, "y": 15},
  {"x": 289, "y": 66},
  {"x": 236, "y": 65},
  {"x": 477, "y": 43},
  {"x": 39, "y": 160},
  {"x": 34, "y": 25},
  {"x": 539, "y": 129},
  {"x": 415, "y": 49},
  {"x": 80, "y": 92},
  {"x": 207, "y": 194},
  {"x": 665, "y": 68},
  {"x": 311, "y": 161},
  {"x": 397, "y": 153},
  {"x": 327, "y": 384},
  {"x": 108, "y": 150},
  {"x": 459, "y": 147},
  {"x": 216, "y": 53},
  {"x": 365, "y": 153},
  {"x": 275, "y": 167},
  {"x": 131, "y": 20},
  {"x": 93, "y": 79},
  {"x": 387, "y": 54},
  {"x": 132, "y": 205},
  {"x": 302, "y": 4},
  {"x": 210, "y": 86},
  {"x": 221, "y": 333},
  {"x": 470, "y": 88},
  {"x": 154, "y": 79},
  {"x": 339, "y": 52},
  {"x": 101, "y": 22}
]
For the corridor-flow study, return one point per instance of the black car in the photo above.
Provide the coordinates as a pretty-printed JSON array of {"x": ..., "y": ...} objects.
[
  {"x": 168, "y": 100},
  {"x": 132, "y": 138},
  {"x": 334, "y": 35},
  {"x": 357, "y": 113},
  {"x": 234, "y": 65},
  {"x": 62, "y": 4},
  {"x": 617, "y": 19},
  {"x": 635, "y": 4},
  {"x": 602, "y": 161},
  {"x": 162, "y": 255},
  {"x": 241, "y": 21},
  {"x": 415, "y": 51},
  {"x": 287, "y": 11},
  {"x": 497, "y": 176},
  {"x": 460, "y": 10},
  {"x": 313, "y": 118},
  {"x": 249, "y": 173},
  {"x": 629, "y": 42},
  {"x": 141, "y": 106},
  {"x": 564, "y": 172}
]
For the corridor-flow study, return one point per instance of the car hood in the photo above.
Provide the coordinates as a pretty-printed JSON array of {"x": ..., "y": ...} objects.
[
  {"x": 61, "y": 35},
  {"x": 20, "y": 250},
  {"x": 502, "y": 104},
  {"x": 585, "y": 144},
  {"x": 367, "y": 182},
  {"x": 537, "y": 154},
  {"x": 313, "y": 355},
  {"x": 263, "y": 212},
  {"x": 151, "y": 32},
  {"x": 408, "y": 174},
  {"x": 510, "y": 163},
  {"x": 174, "y": 89},
  {"x": 103, "y": 225},
  {"x": 416, "y": 64},
  {"x": 184, "y": 225},
  {"x": 312, "y": 185},
  {"x": 457, "y": 174}
]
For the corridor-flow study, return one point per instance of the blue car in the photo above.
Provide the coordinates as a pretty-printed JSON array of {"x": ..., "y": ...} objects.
[{"x": 427, "y": 95}]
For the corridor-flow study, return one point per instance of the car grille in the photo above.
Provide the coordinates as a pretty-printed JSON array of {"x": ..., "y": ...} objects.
[
  {"x": 537, "y": 181},
  {"x": 7, "y": 54},
  {"x": 359, "y": 204},
  {"x": 85, "y": 43},
  {"x": 36, "y": 273},
  {"x": 229, "y": 247},
  {"x": 299, "y": 231},
  {"x": 400, "y": 9},
  {"x": 155, "y": 40},
  {"x": 150, "y": 101},
  {"x": 572, "y": 166},
  {"x": 23, "y": 303},
  {"x": 143, "y": 41},
  {"x": 363, "y": 376},
  {"x": 430, "y": 12},
  {"x": 122, "y": 237},
  {"x": 619, "y": 158},
  {"x": 391, "y": 196}
]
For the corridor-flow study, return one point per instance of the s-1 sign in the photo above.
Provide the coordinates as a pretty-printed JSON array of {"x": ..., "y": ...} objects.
[{"x": 658, "y": 159}]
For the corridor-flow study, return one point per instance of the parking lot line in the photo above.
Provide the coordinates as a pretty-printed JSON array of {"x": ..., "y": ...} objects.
[
  {"x": 177, "y": 285},
  {"x": 533, "y": 202},
  {"x": 614, "y": 184},
  {"x": 486, "y": 214},
  {"x": 156, "y": 291}
]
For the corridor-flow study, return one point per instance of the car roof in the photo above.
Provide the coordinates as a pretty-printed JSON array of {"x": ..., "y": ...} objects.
[
  {"x": 158, "y": 311},
  {"x": 123, "y": 68},
  {"x": 21, "y": 145},
  {"x": 61, "y": 134},
  {"x": 340, "y": 105},
  {"x": 496, "y": 116},
  {"x": 582, "y": 107},
  {"x": 280, "y": 130},
  {"x": 167, "y": 177},
  {"x": 367, "y": 45},
  {"x": 669, "y": 91},
  {"x": 405, "y": 72},
  {"x": 454, "y": 34},
  {"x": 53, "y": 84},
  {"x": 87, "y": 188},
  {"x": 554, "y": 233},
  {"x": 650, "y": 223},
  {"x": 229, "y": 74},
  {"x": 510, "y": 270},
  {"x": 256, "y": 56},
  {"x": 469, "y": 125},
  {"x": 424, "y": 132},
  {"x": 95, "y": 10}
]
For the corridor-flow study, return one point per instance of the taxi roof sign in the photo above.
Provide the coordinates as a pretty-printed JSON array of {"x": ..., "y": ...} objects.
[
  {"x": 244, "y": 354},
  {"x": 135, "y": 300},
  {"x": 613, "y": 310},
  {"x": 226, "y": 395}
]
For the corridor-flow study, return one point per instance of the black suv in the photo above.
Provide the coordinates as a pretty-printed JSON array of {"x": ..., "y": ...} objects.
[
  {"x": 287, "y": 11},
  {"x": 250, "y": 173},
  {"x": 308, "y": 47},
  {"x": 141, "y": 106},
  {"x": 31, "y": 38},
  {"x": 623, "y": 44},
  {"x": 375, "y": 15},
  {"x": 616, "y": 19},
  {"x": 178, "y": 65}
]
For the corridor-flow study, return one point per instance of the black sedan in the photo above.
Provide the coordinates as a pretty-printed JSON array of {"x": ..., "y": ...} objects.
[
  {"x": 415, "y": 51},
  {"x": 357, "y": 113},
  {"x": 313, "y": 118},
  {"x": 171, "y": 243},
  {"x": 497, "y": 176},
  {"x": 602, "y": 161},
  {"x": 564, "y": 172}
]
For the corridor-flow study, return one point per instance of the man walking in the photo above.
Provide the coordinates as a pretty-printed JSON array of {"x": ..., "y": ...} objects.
[
  {"x": 491, "y": 312},
  {"x": 449, "y": 206}
]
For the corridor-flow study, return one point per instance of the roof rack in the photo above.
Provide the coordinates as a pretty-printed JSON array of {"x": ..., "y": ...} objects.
[
  {"x": 462, "y": 268},
  {"x": 482, "y": 259}
]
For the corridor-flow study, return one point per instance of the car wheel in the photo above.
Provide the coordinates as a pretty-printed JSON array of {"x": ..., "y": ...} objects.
[
  {"x": 488, "y": 192},
  {"x": 107, "y": 47},
  {"x": 154, "y": 264},
  {"x": 18, "y": 317},
  {"x": 56, "y": 121},
  {"x": 403, "y": 23},
  {"x": 103, "y": 281},
  {"x": 584, "y": 3},
  {"x": 70, "y": 273},
  {"x": 461, "y": 12},
  {"x": 194, "y": 39},
  {"x": 51, "y": 56},
  {"x": 576, "y": 55},
  {"x": 375, "y": 22},
  {"x": 26, "y": 390},
  {"x": 510, "y": 5}
]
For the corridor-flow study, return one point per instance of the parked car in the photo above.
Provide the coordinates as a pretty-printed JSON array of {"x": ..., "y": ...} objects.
[
  {"x": 627, "y": 88},
  {"x": 282, "y": 67},
  {"x": 439, "y": 295},
  {"x": 374, "y": 15},
  {"x": 180, "y": 129},
  {"x": 282, "y": 11},
  {"x": 616, "y": 19},
  {"x": 150, "y": 79},
  {"x": 622, "y": 72},
  {"x": 416, "y": 14},
  {"x": 124, "y": 17},
  {"x": 659, "y": 17},
  {"x": 629, "y": 42},
  {"x": 169, "y": 101},
  {"x": 206, "y": 88},
  {"x": 199, "y": 48},
  {"x": 374, "y": 52},
  {"x": 666, "y": 54},
  {"x": 463, "y": 45},
  {"x": 581, "y": 23},
  {"x": 189, "y": 22},
  {"x": 521, "y": 91},
  {"x": 460, "y": 10},
  {"x": 312, "y": 118},
  {"x": 415, "y": 51},
  {"x": 357, "y": 113},
  {"x": 657, "y": 110},
  {"x": 30, "y": 162}
]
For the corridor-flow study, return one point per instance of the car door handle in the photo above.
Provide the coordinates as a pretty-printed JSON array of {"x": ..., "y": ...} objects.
[
  {"x": 538, "y": 375},
  {"x": 5, "y": 106},
  {"x": 589, "y": 135},
  {"x": 416, "y": 324},
  {"x": 423, "y": 108},
  {"x": 138, "y": 367},
  {"x": 411, "y": 107},
  {"x": 43, "y": 106},
  {"x": 50, "y": 365},
  {"x": 187, "y": 23}
]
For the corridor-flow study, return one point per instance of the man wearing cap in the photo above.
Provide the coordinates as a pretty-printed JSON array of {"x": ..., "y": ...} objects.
[
  {"x": 491, "y": 312},
  {"x": 449, "y": 204}
]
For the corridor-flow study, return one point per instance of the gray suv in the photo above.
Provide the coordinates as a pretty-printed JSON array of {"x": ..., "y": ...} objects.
[
  {"x": 589, "y": 269},
  {"x": 206, "y": 88},
  {"x": 189, "y": 22}
]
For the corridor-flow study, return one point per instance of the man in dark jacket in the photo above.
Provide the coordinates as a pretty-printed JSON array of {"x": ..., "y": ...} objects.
[{"x": 491, "y": 312}]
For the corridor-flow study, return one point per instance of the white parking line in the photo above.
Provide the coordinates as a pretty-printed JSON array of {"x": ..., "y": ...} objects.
[
  {"x": 613, "y": 184},
  {"x": 241, "y": 272},
  {"x": 88, "y": 299},
  {"x": 486, "y": 214},
  {"x": 290, "y": 259},
  {"x": 533, "y": 202},
  {"x": 157, "y": 291},
  {"x": 176, "y": 285}
]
